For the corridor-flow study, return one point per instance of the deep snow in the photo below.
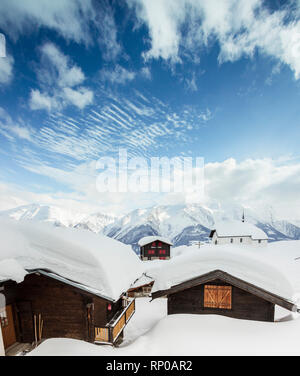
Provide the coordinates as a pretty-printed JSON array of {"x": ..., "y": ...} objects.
[
  {"x": 272, "y": 268},
  {"x": 103, "y": 265},
  {"x": 151, "y": 332}
]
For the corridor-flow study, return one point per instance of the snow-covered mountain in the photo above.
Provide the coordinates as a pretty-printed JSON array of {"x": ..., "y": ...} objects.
[
  {"x": 60, "y": 217},
  {"x": 185, "y": 223},
  {"x": 180, "y": 223}
]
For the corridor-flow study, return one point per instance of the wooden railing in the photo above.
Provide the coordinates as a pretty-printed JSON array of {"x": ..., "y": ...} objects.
[
  {"x": 130, "y": 311},
  {"x": 111, "y": 332},
  {"x": 102, "y": 335}
]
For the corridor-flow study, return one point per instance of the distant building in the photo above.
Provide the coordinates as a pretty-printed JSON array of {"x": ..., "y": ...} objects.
[
  {"x": 235, "y": 232},
  {"x": 141, "y": 287},
  {"x": 155, "y": 248}
]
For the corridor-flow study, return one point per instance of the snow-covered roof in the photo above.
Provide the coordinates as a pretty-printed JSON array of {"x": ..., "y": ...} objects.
[
  {"x": 275, "y": 273},
  {"x": 142, "y": 281},
  {"x": 150, "y": 239},
  {"x": 101, "y": 265},
  {"x": 238, "y": 228}
]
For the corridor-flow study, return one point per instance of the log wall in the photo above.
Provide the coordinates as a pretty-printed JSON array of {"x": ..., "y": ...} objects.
[{"x": 244, "y": 305}]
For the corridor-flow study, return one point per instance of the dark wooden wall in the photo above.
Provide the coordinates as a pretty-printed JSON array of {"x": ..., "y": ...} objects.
[
  {"x": 67, "y": 311},
  {"x": 101, "y": 313},
  {"x": 244, "y": 305},
  {"x": 147, "y": 247},
  {"x": 62, "y": 308}
]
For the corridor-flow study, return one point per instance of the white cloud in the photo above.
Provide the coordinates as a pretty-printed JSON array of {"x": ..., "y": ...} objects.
[
  {"x": 82, "y": 21},
  {"x": 108, "y": 40},
  {"x": 254, "y": 183},
  {"x": 164, "y": 19},
  {"x": 11, "y": 129},
  {"x": 12, "y": 196},
  {"x": 59, "y": 68},
  {"x": 41, "y": 101},
  {"x": 191, "y": 83},
  {"x": 79, "y": 98},
  {"x": 59, "y": 79},
  {"x": 179, "y": 27},
  {"x": 68, "y": 18},
  {"x": 6, "y": 69},
  {"x": 146, "y": 72},
  {"x": 119, "y": 75}
]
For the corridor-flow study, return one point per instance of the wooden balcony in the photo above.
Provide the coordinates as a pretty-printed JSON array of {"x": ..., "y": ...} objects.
[{"x": 110, "y": 333}]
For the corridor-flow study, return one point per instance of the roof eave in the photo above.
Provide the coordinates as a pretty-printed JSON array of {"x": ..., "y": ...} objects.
[
  {"x": 75, "y": 284},
  {"x": 226, "y": 277}
]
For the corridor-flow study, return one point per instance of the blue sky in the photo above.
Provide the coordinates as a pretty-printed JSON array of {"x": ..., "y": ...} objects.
[{"x": 81, "y": 79}]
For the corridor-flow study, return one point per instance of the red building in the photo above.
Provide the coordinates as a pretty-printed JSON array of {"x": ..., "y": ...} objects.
[{"x": 155, "y": 248}]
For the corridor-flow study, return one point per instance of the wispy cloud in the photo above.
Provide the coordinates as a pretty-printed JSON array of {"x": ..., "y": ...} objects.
[
  {"x": 6, "y": 69},
  {"x": 140, "y": 123},
  {"x": 108, "y": 39},
  {"x": 11, "y": 129},
  {"x": 60, "y": 81},
  {"x": 184, "y": 27},
  {"x": 85, "y": 22},
  {"x": 118, "y": 75}
]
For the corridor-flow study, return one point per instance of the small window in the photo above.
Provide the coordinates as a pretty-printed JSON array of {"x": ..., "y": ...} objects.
[
  {"x": 241, "y": 240},
  {"x": 162, "y": 258},
  {"x": 159, "y": 245},
  {"x": 231, "y": 240},
  {"x": 259, "y": 241},
  {"x": 162, "y": 251},
  {"x": 216, "y": 242}
]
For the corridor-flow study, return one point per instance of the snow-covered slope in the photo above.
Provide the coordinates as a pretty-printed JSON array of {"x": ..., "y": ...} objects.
[
  {"x": 185, "y": 223},
  {"x": 179, "y": 223},
  {"x": 60, "y": 217}
]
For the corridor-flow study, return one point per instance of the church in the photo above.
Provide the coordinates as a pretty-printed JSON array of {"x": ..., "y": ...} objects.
[{"x": 236, "y": 232}]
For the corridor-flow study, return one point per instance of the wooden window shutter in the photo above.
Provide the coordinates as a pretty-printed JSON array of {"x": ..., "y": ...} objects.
[
  {"x": 210, "y": 296},
  {"x": 217, "y": 297},
  {"x": 224, "y": 297}
]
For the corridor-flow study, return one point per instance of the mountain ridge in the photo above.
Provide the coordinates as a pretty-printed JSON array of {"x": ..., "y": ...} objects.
[{"x": 182, "y": 224}]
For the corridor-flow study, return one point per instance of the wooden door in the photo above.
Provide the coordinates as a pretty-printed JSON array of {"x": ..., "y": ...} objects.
[
  {"x": 8, "y": 328},
  {"x": 26, "y": 321},
  {"x": 217, "y": 297}
]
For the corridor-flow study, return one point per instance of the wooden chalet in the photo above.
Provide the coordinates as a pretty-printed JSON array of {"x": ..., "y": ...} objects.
[
  {"x": 64, "y": 283},
  {"x": 155, "y": 248},
  {"x": 218, "y": 292},
  {"x": 46, "y": 305}
]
